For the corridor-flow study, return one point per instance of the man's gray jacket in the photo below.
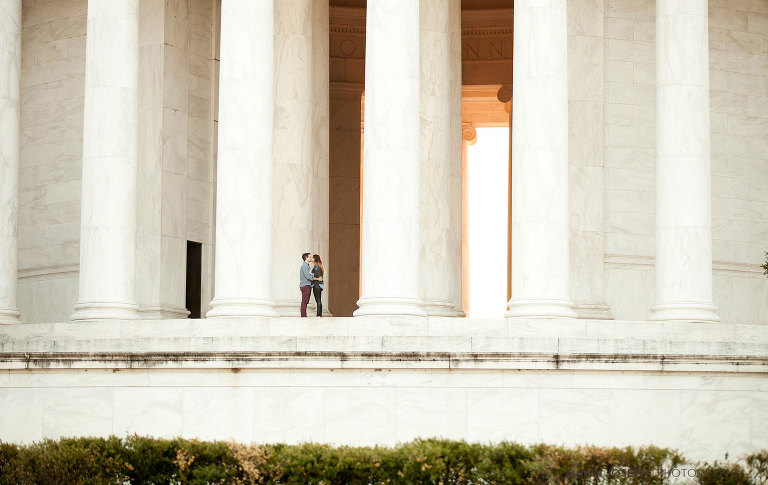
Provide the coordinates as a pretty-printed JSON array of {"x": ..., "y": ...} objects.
[{"x": 305, "y": 275}]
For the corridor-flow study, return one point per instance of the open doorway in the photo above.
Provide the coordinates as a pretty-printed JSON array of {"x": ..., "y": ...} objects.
[{"x": 488, "y": 196}]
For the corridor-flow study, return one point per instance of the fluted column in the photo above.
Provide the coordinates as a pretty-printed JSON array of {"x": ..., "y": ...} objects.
[
  {"x": 10, "y": 79},
  {"x": 439, "y": 267},
  {"x": 293, "y": 171},
  {"x": 390, "y": 222},
  {"x": 540, "y": 161},
  {"x": 683, "y": 178},
  {"x": 244, "y": 175},
  {"x": 110, "y": 144}
]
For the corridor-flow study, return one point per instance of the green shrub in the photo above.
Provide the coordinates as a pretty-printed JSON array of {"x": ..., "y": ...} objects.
[
  {"x": 180, "y": 461},
  {"x": 69, "y": 460},
  {"x": 722, "y": 474},
  {"x": 592, "y": 464},
  {"x": 758, "y": 467},
  {"x": 765, "y": 265},
  {"x": 140, "y": 460}
]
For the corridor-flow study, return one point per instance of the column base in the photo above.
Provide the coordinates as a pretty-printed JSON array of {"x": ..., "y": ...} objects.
[
  {"x": 389, "y": 307},
  {"x": 241, "y": 307},
  {"x": 163, "y": 313},
  {"x": 593, "y": 311},
  {"x": 540, "y": 308},
  {"x": 9, "y": 316},
  {"x": 438, "y": 308},
  {"x": 684, "y": 310},
  {"x": 289, "y": 308},
  {"x": 105, "y": 311}
]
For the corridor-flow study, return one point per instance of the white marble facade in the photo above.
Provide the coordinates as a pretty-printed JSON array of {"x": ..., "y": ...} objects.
[
  {"x": 563, "y": 382},
  {"x": 611, "y": 153},
  {"x": 640, "y": 165}
]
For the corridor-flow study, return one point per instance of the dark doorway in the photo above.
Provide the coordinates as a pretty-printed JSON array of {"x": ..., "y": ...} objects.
[{"x": 194, "y": 278}]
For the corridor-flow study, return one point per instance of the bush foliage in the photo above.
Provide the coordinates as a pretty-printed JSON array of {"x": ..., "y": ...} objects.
[
  {"x": 139, "y": 460},
  {"x": 765, "y": 265}
]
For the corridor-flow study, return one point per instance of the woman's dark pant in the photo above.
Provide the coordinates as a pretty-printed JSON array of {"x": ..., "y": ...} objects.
[{"x": 318, "y": 294}]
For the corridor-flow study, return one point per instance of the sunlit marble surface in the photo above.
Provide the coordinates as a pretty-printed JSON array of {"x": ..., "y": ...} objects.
[
  {"x": 10, "y": 98},
  {"x": 109, "y": 174},
  {"x": 352, "y": 381},
  {"x": 244, "y": 221},
  {"x": 391, "y": 182},
  {"x": 683, "y": 166},
  {"x": 439, "y": 261},
  {"x": 539, "y": 192},
  {"x": 294, "y": 181}
]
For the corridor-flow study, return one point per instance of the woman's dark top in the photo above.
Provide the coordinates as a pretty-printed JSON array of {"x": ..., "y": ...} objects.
[{"x": 318, "y": 273}]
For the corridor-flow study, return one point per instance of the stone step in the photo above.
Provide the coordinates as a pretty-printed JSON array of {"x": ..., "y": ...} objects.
[{"x": 388, "y": 326}]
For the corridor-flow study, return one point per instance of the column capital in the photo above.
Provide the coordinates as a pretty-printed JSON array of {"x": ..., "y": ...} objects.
[
  {"x": 469, "y": 133},
  {"x": 504, "y": 94}
]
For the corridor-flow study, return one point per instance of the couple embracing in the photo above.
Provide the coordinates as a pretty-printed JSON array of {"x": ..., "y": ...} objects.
[{"x": 311, "y": 281}]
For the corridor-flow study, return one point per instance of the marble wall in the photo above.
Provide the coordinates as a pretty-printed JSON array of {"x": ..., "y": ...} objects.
[
  {"x": 739, "y": 126},
  {"x": 703, "y": 416},
  {"x": 176, "y": 147},
  {"x": 586, "y": 152},
  {"x": 52, "y": 94},
  {"x": 738, "y": 39}
]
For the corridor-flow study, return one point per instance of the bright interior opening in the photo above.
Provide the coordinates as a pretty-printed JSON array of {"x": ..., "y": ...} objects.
[{"x": 487, "y": 178}]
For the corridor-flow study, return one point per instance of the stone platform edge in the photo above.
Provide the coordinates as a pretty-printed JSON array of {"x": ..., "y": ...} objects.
[{"x": 387, "y": 342}]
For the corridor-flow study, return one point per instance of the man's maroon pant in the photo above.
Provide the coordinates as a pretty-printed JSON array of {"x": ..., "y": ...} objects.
[{"x": 305, "y": 292}]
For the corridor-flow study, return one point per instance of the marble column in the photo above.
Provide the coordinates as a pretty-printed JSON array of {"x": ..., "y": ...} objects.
[
  {"x": 683, "y": 169},
  {"x": 390, "y": 213},
  {"x": 540, "y": 162},
  {"x": 455, "y": 139},
  {"x": 243, "y": 283},
  {"x": 438, "y": 266},
  {"x": 10, "y": 80},
  {"x": 293, "y": 160},
  {"x": 109, "y": 180},
  {"x": 321, "y": 141}
]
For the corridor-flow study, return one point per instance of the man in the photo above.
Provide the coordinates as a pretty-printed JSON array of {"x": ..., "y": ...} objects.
[{"x": 305, "y": 281}]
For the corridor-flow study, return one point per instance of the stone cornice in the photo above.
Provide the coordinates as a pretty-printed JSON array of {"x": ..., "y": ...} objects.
[
  {"x": 347, "y": 29},
  {"x": 435, "y": 343},
  {"x": 466, "y": 32},
  {"x": 486, "y": 31},
  {"x": 606, "y": 361}
]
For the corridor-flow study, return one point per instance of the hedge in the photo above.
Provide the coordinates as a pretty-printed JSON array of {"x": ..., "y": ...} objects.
[{"x": 140, "y": 460}]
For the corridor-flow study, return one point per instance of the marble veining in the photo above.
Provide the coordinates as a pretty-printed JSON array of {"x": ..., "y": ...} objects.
[{"x": 10, "y": 113}]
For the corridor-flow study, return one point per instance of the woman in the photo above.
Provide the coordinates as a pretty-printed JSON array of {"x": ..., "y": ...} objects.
[{"x": 317, "y": 284}]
